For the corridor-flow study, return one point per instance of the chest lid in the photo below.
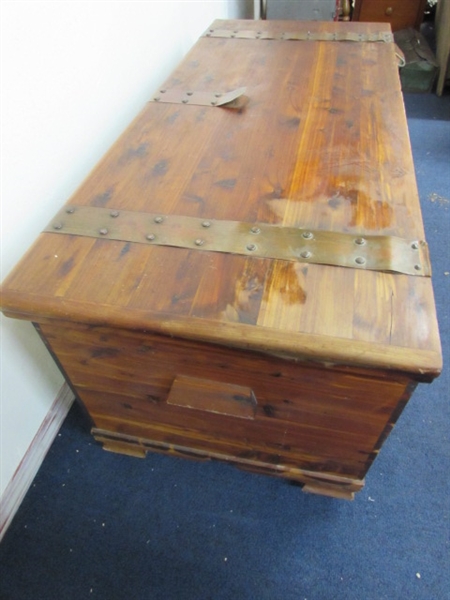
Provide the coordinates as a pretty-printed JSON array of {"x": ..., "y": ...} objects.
[{"x": 265, "y": 197}]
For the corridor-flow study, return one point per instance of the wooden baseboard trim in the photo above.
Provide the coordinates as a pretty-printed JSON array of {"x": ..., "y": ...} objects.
[{"x": 26, "y": 471}]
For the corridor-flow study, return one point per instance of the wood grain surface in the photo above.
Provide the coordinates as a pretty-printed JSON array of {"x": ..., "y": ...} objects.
[
  {"x": 326, "y": 420},
  {"x": 298, "y": 370},
  {"x": 322, "y": 143},
  {"x": 400, "y": 14}
]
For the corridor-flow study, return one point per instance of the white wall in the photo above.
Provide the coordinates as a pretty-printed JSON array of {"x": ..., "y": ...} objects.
[{"x": 74, "y": 74}]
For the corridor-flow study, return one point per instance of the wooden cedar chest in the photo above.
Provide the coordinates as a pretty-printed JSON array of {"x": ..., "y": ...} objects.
[{"x": 248, "y": 281}]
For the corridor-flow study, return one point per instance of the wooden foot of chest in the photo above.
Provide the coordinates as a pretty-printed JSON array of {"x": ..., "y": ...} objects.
[{"x": 314, "y": 483}]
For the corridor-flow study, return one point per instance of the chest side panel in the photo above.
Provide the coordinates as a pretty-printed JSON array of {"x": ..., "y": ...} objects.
[{"x": 293, "y": 414}]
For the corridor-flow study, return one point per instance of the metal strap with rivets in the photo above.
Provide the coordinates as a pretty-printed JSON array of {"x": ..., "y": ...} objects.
[
  {"x": 313, "y": 36},
  {"x": 199, "y": 98},
  {"x": 262, "y": 240}
]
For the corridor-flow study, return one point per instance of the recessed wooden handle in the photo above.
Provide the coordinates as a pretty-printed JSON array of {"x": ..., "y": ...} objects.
[{"x": 213, "y": 396}]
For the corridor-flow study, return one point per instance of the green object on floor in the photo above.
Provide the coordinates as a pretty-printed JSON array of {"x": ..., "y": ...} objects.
[{"x": 420, "y": 69}]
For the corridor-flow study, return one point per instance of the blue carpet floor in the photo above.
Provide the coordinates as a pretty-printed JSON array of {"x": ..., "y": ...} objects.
[{"x": 97, "y": 525}]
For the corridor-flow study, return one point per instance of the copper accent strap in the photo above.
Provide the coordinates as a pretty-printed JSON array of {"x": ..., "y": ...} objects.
[
  {"x": 313, "y": 36},
  {"x": 262, "y": 240},
  {"x": 229, "y": 99}
]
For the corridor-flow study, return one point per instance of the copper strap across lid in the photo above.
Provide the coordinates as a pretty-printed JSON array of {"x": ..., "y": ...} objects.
[
  {"x": 261, "y": 240},
  {"x": 176, "y": 96},
  {"x": 313, "y": 36}
]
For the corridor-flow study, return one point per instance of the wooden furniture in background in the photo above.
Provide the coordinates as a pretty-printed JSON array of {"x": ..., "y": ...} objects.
[
  {"x": 443, "y": 43},
  {"x": 186, "y": 290},
  {"x": 400, "y": 14}
]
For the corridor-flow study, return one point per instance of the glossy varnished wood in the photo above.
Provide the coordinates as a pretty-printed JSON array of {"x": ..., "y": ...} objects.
[
  {"x": 322, "y": 143},
  {"x": 331, "y": 354},
  {"x": 400, "y": 14}
]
